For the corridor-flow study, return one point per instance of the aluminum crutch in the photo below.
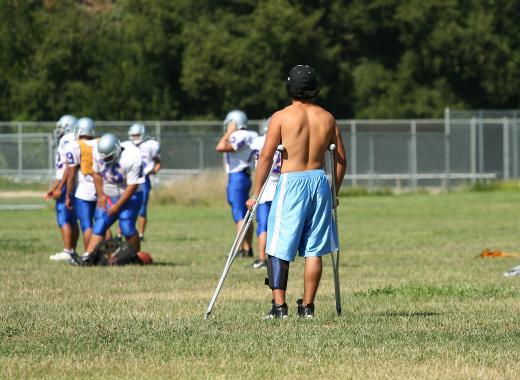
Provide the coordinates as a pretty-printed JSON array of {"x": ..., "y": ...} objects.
[
  {"x": 335, "y": 255},
  {"x": 248, "y": 218}
]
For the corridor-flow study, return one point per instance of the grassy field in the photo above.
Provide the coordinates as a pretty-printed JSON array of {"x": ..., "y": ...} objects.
[{"x": 417, "y": 302}]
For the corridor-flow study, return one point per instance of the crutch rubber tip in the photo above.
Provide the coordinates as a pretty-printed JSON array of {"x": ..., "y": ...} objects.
[{"x": 332, "y": 147}]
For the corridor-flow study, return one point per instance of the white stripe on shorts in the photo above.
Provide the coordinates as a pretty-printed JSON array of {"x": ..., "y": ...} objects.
[{"x": 278, "y": 216}]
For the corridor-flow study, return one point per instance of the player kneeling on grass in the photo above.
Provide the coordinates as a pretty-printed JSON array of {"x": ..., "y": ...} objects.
[
  {"x": 65, "y": 217},
  {"x": 118, "y": 176}
]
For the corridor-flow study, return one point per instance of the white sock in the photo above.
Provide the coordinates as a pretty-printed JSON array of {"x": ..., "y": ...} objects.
[{"x": 69, "y": 251}]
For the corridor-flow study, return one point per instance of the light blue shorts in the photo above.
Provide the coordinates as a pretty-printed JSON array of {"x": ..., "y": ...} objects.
[{"x": 300, "y": 219}]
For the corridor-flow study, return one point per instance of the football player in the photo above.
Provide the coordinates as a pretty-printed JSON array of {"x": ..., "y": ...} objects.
[
  {"x": 81, "y": 156},
  {"x": 65, "y": 218},
  {"x": 150, "y": 150},
  {"x": 235, "y": 144},
  {"x": 118, "y": 178},
  {"x": 264, "y": 203}
]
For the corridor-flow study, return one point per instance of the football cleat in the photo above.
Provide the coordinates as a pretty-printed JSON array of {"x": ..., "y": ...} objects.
[
  {"x": 277, "y": 311},
  {"x": 257, "y": 264},
  {"x": 60, "y": 256},
  {"x": 305, "y": 311}
]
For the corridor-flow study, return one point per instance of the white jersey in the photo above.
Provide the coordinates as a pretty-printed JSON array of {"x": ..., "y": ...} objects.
[
  {"x": 149, "y": 150},
  {"x": 272, "y": 181},
  {"x": 242, "y": 156},
  {"x": 85, "y": 190},
  {"x": 61, "y": 154},
  {"x": 127, "y": 170}
]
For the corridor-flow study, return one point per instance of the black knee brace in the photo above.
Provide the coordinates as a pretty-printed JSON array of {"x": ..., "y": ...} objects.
[{"x": 277, "y": 273}]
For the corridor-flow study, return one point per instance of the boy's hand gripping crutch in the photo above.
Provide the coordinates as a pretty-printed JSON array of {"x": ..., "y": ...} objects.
[
  {"x": 335, "y": 255},
  {"x": 248, "y": 218}
]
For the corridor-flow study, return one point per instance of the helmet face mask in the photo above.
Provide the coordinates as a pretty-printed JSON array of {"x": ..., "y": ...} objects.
[
  {"x": 136, "y": 133},
  {"x": 238, "y": 117},
  {"x": 66, "y": 124}
]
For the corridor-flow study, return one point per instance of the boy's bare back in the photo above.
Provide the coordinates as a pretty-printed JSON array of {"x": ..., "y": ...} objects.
[{"x": 306, "y": 131}]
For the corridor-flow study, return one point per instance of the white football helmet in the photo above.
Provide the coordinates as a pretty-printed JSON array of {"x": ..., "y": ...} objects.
[
  {"x": 66, "y": 124},
  {"x": 239, "y": 117},
  {"x": 85, "y": 127},
  {"x": 136, "y": 133},
  {"x": 109, "y": 148}
]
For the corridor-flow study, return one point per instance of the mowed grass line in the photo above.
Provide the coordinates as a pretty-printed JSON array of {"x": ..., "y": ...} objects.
[{"x": 417, "y": 302}]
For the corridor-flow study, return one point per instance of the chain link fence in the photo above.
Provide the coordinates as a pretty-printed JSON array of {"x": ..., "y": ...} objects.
[{"x": 445, "y": 152}]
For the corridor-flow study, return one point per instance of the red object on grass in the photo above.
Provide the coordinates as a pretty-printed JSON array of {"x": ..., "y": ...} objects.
[{"x": 144, "y": 258}]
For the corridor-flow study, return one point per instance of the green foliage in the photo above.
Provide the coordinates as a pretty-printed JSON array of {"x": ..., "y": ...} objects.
[{"x": 137, "y": 59}]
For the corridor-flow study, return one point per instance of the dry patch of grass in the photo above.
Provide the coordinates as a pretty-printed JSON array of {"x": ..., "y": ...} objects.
[{"x": 205, "y": 188}]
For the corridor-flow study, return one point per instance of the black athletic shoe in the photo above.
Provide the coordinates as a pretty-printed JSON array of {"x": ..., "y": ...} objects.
[
  {"x": 306, "y": 311},
  {"x": 277, "y": 311},
  {"x": 258, "y": 264},
  {"x": 87, "y": 260},
  {"x": 75, "y": 259},
  {"x": 250, "y": 252}
]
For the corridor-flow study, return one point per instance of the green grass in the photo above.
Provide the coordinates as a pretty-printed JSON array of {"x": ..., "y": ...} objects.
[
  {"x": 417, "y": 302},
  {"x": 7, "y": 184}
]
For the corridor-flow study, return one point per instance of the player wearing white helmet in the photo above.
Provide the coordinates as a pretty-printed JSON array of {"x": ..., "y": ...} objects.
[
  {"x": 264, "y": 203},
  {"x": 118, "y": 176},
  {"x": 235, "y": 144},
  {"x": 66, "y": 219},
  {"x": 81, "y": 156},
  {"x": 150, "y": 150}
]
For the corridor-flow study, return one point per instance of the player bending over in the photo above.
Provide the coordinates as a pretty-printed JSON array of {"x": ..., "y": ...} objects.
[
  {"x": 118, "y": 176},
  {"x": 301, "y": 213},
  {"x": 65, "y": 218}
]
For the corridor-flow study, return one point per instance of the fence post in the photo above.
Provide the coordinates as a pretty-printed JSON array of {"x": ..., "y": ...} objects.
[
  {"x": 51, "y": 155},
  {"x": 412, "y": 158},
  {"x": 201, "y": 153},
  {"x": 371, "y": 162},
  {"x": 20, "y": 151},
  {"x": 481, "y": 169},
  {"x": 505, "y": 149},
  {"x": 473, "y": 149},
  {"x": 158, "y": 138},
  {"x": 353, "y": 152},
  {"x": 447, "y": 165},
  {"x": 514, "y": 129}
]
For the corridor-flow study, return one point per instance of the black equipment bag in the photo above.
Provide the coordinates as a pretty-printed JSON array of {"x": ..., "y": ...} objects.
[{"x": 114, "y": 252}]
